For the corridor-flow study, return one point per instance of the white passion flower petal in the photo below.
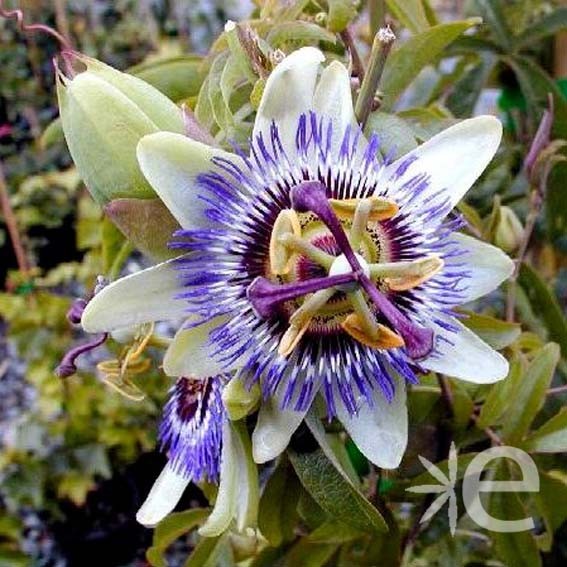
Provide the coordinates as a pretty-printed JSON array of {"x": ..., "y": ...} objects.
[
  {"x": 171, "y": 163},
  {"x": 463, "y": 355},
  {"x": 142, "y": 297},
  {"x": 333, "y": 99},
  {"x": 487, "y": 266},
  {"x": 288, "y": 93},
  {"x": 380, "y": 431},
  {"x": 163, "y": 497},
  {"x": 190, "y": 353},
  {"x": 238, "y": 494},
  {"x": 274, "y": 429},
  {"x": 453, "y": 160}
]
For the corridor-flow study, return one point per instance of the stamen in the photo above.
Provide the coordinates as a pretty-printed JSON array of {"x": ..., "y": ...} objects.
[
  {"x": 401, "y": 276},
  {"x": 359, "y": 223},
  {"x": 312, "y": 196},
  {"x": 291, "y": 337},
  {"x": 265, "y": 296},
  {"x": 418, "y": 340},
  {"x": 378, "y": 208},
  {"x": 365, "y": 315},
  {"x": 305, "y": 248},
  {"x": 287, "y": 224},
  {"x": 429, "y": 268},
  {"x": 301, "y": 319},
  {"x": 384, "y": 338}
]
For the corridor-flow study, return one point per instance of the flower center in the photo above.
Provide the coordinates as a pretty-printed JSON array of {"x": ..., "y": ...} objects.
[{"x": 344, "y": 291}]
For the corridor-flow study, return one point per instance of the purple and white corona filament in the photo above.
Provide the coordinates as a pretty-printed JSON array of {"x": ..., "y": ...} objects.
[
  {"x": 311, "y": 265},
  {"x": 191, "y": 428}
]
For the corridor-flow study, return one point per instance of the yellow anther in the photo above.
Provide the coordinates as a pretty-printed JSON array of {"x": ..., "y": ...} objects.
[
  {"x": 418, "y": 272},
  {"x": 280, "y": 254},
  {"x": 131, "y": 362},
  {"x": 301, "y": 319},
  {"x": 380, "y": 208},
  {"x": 292, "y": 337},
  {"x": 384, "y": 338}
]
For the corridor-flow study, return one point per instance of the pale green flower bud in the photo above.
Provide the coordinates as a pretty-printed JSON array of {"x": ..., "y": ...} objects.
[
  {"x": 238, "y": 400},
  {"x": 509, "y": 230},
  {"x": 104, "y": 114}
]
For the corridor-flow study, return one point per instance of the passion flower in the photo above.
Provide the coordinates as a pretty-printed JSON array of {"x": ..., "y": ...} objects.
[{"x": 310, "y": 265}]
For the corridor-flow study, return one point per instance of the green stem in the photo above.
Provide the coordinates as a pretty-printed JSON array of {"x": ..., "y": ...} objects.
[
  {"x": 377, "y": 11},
  {"x": 381, "y": 46},
  {"x": 120, "y": 259}
]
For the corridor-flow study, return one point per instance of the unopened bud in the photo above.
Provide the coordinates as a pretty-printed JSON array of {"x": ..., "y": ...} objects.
[
  {"x": 104, "y": 114},
  {"x": 238, "y": 400},
  {"x": 509, "y": 230}
]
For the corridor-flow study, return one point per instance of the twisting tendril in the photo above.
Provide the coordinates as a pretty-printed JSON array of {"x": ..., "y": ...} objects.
[{"x": 18, "y": 17}]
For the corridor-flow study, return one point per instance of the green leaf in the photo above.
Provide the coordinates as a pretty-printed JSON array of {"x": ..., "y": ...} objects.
[
  {"x": 405, "y": 63},
  {"x": 206, "y": 553},
  {"x": 307, "y": 554},
  {"x": 341, "y": 12},
  {"x": 302, "y": 33},
  {"x": 172, "y": 528},
  {"x": 204, "y": 109},
  {"x": 530, "y": 395},
  {"x": 497, "y": 333},
  {"x": 466, "y": 90},
  {"x": 278, "y": 505},
  {"x": 333, "y": 531},
  {"x": 426, "y": 121},
  {"x": 551, "y": 437},
  {"x": 551, "y": 502},
  {"x": 309, "y": 511},
  {"x": 536, "y": 84},
  {"x": 53, "y": 134},
  {"x": 501, "y": 396},
  {"x": 548, "y": 25},
  {"x": 544, "y": 303},
  {"x": 410, "y": 13},
  {"x": 473, "y": 44},
  {"x": 493, "y": 15},
  {"x": 13, "y": 558},
  {"x": 396, "y": 135},
  {"x": 463, "y": 405},
  {"x": 334, "y": 493},
  {"x": 517, "y": 549},
  {"x": 555, "y": 203},
  {"x": 178, "y": 78}
]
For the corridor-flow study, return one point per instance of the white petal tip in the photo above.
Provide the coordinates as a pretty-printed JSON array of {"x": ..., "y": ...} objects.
[
  {"x": 265, "y": 447},
  {"x": 302, "y": 56},
  {"x": 163, "y": 497}
]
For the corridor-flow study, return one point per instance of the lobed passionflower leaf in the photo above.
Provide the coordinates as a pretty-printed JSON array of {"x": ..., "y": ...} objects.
[{"x": 104, "y": 114}]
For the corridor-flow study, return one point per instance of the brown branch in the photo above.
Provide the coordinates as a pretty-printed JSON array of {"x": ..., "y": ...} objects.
[
  {"x": 12, "y": 226},
  {"x": 357, "y": 64},
  {"x": 558, "y": 390},
  {"x": 539, "y": 186}
]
